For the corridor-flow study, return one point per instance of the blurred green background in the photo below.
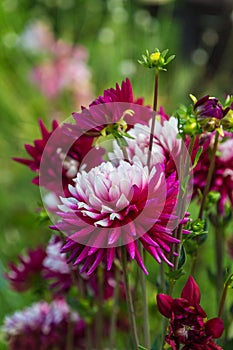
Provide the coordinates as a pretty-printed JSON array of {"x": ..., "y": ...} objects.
[{"x": 115, "y": 33}]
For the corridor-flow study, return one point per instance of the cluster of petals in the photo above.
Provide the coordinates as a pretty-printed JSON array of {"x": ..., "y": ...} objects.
[
  {"x": 44, "y": 326},
  {"x": 59, "y": 275},
  {"x": 56, "y": 159},
  {"x": 55, "y": 268},
  {"x": 108, "y": 109},
  {"x": 209, "y": 107},
  {"x": 166, "y": 147},
  {"x": 112, "y": 206},
  {"x": 188, "y": 324},
  {"x": 23, "y": 275}
]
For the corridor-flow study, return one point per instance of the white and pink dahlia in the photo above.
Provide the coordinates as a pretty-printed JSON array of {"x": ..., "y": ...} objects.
[
  {"x": 111, "y": 206},
  {"x": 166, "y": 146},
  {"x": 44, "y": 326}
]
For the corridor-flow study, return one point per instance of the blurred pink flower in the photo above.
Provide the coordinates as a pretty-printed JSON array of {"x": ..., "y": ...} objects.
[{"x": 44, "y": 326}]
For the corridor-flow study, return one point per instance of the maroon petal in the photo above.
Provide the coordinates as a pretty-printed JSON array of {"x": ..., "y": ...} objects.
[
  {"x": 214, "y": 327},
  {"x": 191, "y": 291},
  {"x": 164, "y": 303}
]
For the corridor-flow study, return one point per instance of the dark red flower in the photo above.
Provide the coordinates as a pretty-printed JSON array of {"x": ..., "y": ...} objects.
[
  {"x": 222, "y": 180},
  {"x": 188, "y": 324}
]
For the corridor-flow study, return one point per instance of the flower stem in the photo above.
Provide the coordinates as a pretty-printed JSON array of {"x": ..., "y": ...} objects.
[
  {"x": 99, "y": 316},
  {"x": 129, "y": 299},
  {"x": 154, "y": 118},
  {"x": 209, "y": 176},
  {"x": 219, "y": 248},
  {"x": 70, "y": 335},
  {"x": 112, "y": 336},
  {"x": 145, "y": 314},
  {"x": 224, "y": 295}
]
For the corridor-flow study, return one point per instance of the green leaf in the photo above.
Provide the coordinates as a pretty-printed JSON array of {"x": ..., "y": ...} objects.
[
  {"x": 175, "y": 275},
  {"x": 140, "y": 347},
  {"x": 182, "y": 257},
  {"x": 197, "y": 157}
]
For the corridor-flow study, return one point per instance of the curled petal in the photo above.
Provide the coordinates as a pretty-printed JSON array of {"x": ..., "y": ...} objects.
[
  {"x": 191, "y": 291},
  {"x": 164, "y": 303},
  {"x": 214, "y": 327}
]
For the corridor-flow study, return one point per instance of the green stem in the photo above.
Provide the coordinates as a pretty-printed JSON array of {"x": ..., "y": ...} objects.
[
  {"x": 219, "y": 249},
  {"x": 154, "y": 118},
  {"x": 99, "y": 316},
  {"x": 162, "y": 278},
  {"x": 224, "y": 295},
  {"x": 209, "y": 176},
  {"x": 145, "y": 314},
  {"x": 70, "y": 335},
  {"x": 129, "y": 300},
  {"x": 88, "y": 337},
  {"x": 114, "y": 311}
]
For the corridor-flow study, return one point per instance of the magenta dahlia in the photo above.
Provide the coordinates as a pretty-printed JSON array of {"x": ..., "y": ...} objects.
[
  {"x": 25, "y": 274},
  {"x": 111, "y": 111},
  {"x": 188, "y": 324},
  {"x": 44, "y": 326},
  {"x": 112, "y": 206},
  {"x": 57, "y": 159}
]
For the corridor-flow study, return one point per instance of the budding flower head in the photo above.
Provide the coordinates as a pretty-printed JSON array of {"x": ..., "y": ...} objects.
[
  {"x": 156, "y": 59},
  {"x": 227, "y": 121}
]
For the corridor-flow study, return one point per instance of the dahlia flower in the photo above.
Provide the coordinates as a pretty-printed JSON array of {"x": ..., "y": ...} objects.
[
  {"x": 222, "y": 180},
  {"x": 113, "y": 206},
  {"x": 58, "y": 273},
  {"x": 27, "y": 272},
  {"x": 188, "y": 324},
  {"x": 57, "y": 158},
  {"x": 44, "y": 326},
  {"x": 110, "y": 110},
  {"x": 55, "y": 268},
  {"x": 166, "y": 147}
]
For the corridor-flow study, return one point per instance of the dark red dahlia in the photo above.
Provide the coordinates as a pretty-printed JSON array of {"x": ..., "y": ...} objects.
[
  {"x": 188, "y": 324},
  {"x": 222, "y": 180},
  {"x": 27, "y": 272}
]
